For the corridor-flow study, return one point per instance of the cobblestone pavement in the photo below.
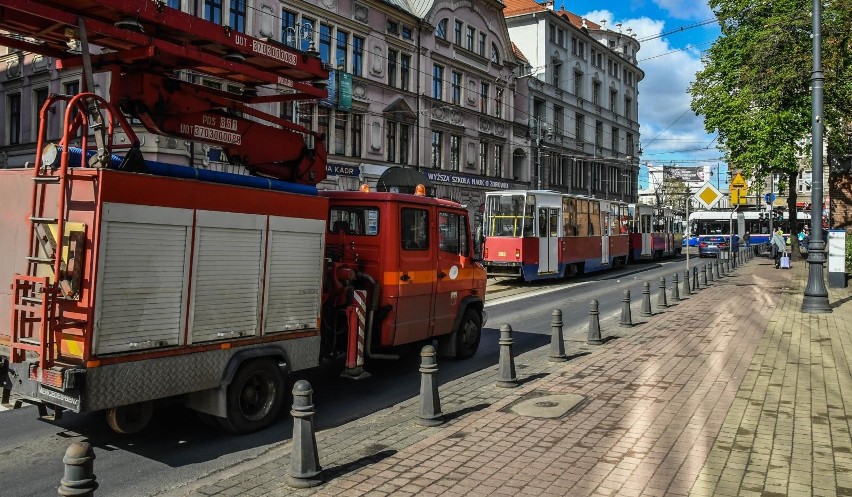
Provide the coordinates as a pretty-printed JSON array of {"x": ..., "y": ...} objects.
[{"x": 733, "y": 391}]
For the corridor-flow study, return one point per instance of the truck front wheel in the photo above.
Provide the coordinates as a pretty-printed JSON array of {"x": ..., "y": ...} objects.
[
  {"x": 254, "y": 398},
  {"x": 468, "y": 334}
]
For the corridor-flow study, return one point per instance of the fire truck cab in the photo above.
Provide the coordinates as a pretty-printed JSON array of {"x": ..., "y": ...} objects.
[{"x": 416, "y": 253}]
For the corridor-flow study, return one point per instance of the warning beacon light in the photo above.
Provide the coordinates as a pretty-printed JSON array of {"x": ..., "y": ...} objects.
[{"x": 420, "y": 190}]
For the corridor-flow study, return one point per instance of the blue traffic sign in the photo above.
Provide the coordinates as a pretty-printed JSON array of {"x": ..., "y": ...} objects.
[{"x": 769, "y": 197}]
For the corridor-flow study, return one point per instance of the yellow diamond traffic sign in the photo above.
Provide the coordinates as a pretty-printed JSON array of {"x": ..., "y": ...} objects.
[{"x": 708, "y": 195}]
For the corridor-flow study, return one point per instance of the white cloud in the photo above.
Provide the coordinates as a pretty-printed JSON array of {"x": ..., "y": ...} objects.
[
  {"x": 686, "y": 9},
  {"x": 664, "y": 104}
]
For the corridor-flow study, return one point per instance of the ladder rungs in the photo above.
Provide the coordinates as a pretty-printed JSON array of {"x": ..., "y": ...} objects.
[
  {"x": 40, "y": 260},
  {"x": 31, "y": 300},
  {"x": 44, "y": 220},
  {"x": 75, "y": 316},
  {"x": 46, "y": 179},
  {"x": 28, "y": 341}
]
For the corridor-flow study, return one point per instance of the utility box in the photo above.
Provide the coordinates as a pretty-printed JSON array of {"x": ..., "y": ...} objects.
[{"x": 837, "y": 258}]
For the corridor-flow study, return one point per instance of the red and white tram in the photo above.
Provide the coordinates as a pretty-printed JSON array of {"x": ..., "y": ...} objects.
[
  {"x": 540, "y": 234},
  {"x": 653, "y": 233}
]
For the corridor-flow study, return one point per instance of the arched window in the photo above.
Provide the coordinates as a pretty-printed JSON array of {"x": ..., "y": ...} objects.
[
  {"x": 441, "y": 29},
  {"x": 495, "y": 53}
]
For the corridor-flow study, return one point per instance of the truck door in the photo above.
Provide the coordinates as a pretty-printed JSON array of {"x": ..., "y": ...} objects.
[
  {"x": 414, "y": 308},
  {"x": 548, "y": 261},
  {"x": 454, "y": 276}
]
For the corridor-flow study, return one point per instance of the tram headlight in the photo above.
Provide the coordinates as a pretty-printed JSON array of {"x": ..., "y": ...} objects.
[{"x": 517, "y": 254}]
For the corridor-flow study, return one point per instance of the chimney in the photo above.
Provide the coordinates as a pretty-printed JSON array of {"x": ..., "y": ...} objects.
[{"x": 549, "y": 4}]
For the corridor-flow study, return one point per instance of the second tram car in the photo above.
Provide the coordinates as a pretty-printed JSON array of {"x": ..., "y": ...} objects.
[
  {"x": 540, "y": 234},
  {"x": 654, "y": 233}
]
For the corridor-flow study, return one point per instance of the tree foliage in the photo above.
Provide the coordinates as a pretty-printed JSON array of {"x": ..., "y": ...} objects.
[{"x": 755, "y": 88}]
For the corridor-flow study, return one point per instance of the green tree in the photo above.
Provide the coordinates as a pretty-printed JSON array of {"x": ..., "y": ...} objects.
[{"x": 754, "y": 90}]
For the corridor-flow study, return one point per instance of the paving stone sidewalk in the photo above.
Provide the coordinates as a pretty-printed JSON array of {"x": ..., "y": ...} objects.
[{"x": 731, "y": 391}]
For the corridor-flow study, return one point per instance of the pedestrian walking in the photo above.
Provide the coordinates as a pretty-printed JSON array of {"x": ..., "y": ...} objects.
[
  {"x": 747, "y": 239},
  {"x": 777, "y": 246}
]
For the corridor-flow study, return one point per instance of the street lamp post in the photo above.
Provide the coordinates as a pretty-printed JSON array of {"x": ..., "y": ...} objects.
[{"x": 816, "y": 295}]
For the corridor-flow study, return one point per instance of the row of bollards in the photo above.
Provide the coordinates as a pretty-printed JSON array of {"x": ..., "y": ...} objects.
[{"x": 79, "y": 479}]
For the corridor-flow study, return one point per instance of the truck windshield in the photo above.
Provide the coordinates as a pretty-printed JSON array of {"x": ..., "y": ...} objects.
[{"x": 509, "y": 215}]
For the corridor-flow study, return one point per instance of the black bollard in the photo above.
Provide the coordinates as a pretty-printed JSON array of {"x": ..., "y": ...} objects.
[
  {"x": 675, "y": 292},
  {"x": 646, "y": 300},
  {"x": 695, "y": 286},
  {"x": 507, "y": 378},
  {"x": 79, "y": 479},
  {"x": 430, "y": 403},
  {"x": 626, "y": 316},
  {"x": 718, "y": 273},
  {"x": 710, "y": 272},
  {"x": 687, "y": 288},
  {"x": 557, "y": 344},
  {"x": 661, "y": 295},
  {"x": 305, "y": 470},
  {"x": 704, "y": 275},
  {"x": 594, "y": 324}
]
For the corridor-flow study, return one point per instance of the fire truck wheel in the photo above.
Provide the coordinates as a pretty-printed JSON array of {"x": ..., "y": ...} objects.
[
  {"x": 255, "y": 397},
  {"x": 469, "y": 333},
  {"x": 131, "y": 418}
]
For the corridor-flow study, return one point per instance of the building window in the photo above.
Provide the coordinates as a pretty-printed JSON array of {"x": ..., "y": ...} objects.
[
  {"x": 325, "y": 44},
  {"x": 288, "y": 111},
  {"x": 404, "y": 71},
  {"x": 458, "y": 32},
  {"x": 456, "y": 87},
  {"x": 481, "y": 44},
  {"x": 560, "y": 39},
  {"x": 391, "y": 141},
  {"x": 471, "y": 35},
  {"x": 596, "y": 92},
  {"x": 628, "y": 104},
  {"x": 614, "y": 141},
  {"x": 437, "y": 138},
  {"x": 175, "y": 4},
  {"x": 323, "y": 120},
  {"x": 238, "y": 15},
  {"x": 392, "y": 27},
  {"x": 558, "y": 119},
  {"x": 580, "y": 127},
  {"x": 804, "y": 181},
  {"x": 307, "y": 33},
  {"x": 438, "y": 82},
  {"x": 574, "y": 45},
  {"x": 340, "y": 125},
  {"x": 498, "y": 161},
  {"x": 483, "y": 158},
  {"x": 613, "y": 100},
  {"x": 598, "y": 134},
  {"x": 357, "y": 55},
  {"x": 39, "y": 98},
  {"x": 578, "y": 84},
  {"x": 213, "y": 11},
  {"x": 485, "y": 90},
  {"x": 14, "y": 106},
  {"x": 455, "y": 151},
  {"x": 498, "y": 102},
  {"x": 441, "y": 29},
  {"x": 404, "y": 131},
  {"x": 495, "y": 53},
  {"x": 406, "y": 33},
  {"x": 357, "y": 121},
  {"x": 629, "y": 146},
  {"x": 551, "y": 33},
  {"x": 342, "y": 50},
  {"x": 557, "y": 70},
  {"x": 392, "y": 58},
  {"x": 288, "y": 28}
]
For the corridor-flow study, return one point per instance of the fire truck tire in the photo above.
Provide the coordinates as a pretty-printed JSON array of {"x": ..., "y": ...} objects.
[
  {"x": 131, "y": 418},
  {"x": 255, "y": 397},
  {"x": 469, "y": 334}
]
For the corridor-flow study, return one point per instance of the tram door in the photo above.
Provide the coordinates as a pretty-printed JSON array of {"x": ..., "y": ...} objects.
[
  {"x": 605, "y": 226},
  {"x": 548, "y": 239}
]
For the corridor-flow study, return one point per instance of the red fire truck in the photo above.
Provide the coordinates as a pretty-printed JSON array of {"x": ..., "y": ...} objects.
[{"x": 133, "y": 281}]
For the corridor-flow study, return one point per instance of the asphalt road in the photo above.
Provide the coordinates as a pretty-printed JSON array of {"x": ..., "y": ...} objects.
[{"x": 177, "y": 447}]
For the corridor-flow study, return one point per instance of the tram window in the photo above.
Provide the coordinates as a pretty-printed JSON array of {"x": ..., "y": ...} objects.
[
  {"x": 542, "y": 223},
  {"x": 554, "y": 222},
  {"x": 415, "y": 229},
  {"x": 569, "y": 217},
  {"x": 583, "y": 218}
]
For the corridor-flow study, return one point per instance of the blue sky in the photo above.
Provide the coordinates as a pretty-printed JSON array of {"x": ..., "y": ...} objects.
[{"x": 673, "y": 34}]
